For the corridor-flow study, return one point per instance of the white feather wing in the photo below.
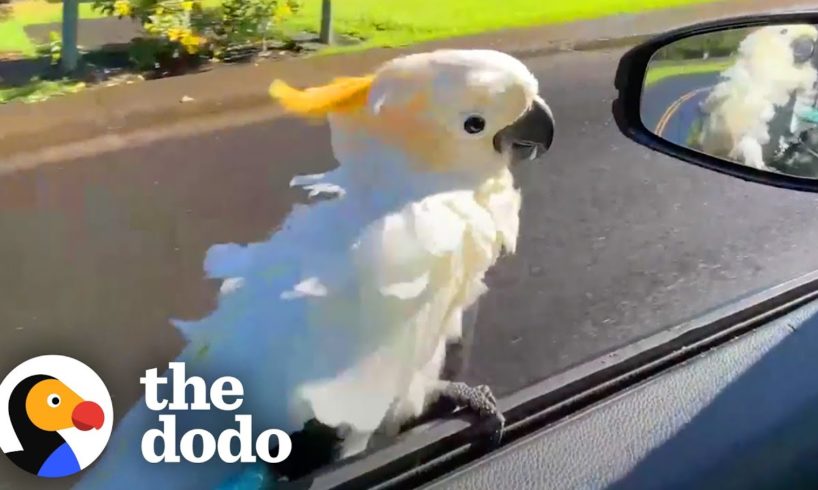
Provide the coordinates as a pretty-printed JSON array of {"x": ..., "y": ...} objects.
[{"x": 415, "y": 269}]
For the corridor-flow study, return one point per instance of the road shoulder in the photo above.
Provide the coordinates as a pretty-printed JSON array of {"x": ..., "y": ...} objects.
[{"x": 113, "y": 112}]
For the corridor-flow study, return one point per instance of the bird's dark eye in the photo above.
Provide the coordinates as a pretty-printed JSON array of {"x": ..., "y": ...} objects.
[
  {"x": 54, "y": 400},
  {"x": 474, "y": 124},
  {"x": 802, "y": 49}
]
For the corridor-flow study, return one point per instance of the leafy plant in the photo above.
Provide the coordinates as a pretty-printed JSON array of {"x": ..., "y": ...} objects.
[
  {"x": 248, "y": 22},
  {"x": 716, "y": 44},
  {"x": 145, "y": 53},
  {"x": 241, "y": 25},
  {"x": 52, "y": 49},
  {"x": 173, "y": 44},
  {"x": 181, "y": 34},
  {"x": 55, "y": 47},
  {"x": 171, "y": 19}
]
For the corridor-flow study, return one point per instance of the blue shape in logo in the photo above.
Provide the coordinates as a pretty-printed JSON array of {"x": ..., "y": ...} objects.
[{"x": 62, "y": 462}]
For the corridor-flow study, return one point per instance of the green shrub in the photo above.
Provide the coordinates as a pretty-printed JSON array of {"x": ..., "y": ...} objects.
[
  {"x": 247, "y": 22},
  {"x": 181, "y": 34},
  {"x": 172, "y": 45},
  {"x": 52, "y": 49},
  {"x": 55, "y": 47},
  {"x": 145, "y": 53},
  {"x": 715, "y": 44}
]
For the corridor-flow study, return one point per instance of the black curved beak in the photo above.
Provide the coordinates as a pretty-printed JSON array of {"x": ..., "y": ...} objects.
[
  {"x": 803, "y": 49},
  {"x": 530, "y": 136}
]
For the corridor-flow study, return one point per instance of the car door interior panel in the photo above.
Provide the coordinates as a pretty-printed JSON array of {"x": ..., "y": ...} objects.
[{"x": 742, "y": 416}]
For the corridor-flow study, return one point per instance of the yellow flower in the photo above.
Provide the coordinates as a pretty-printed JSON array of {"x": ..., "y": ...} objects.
[
  {"x": 175, "y": 33},
  {"x": 191, "y": 42},
  {"x": 187, "y": 6},
  {"x": 123, "y": 8},
  {"x": 282, "y": 11}
]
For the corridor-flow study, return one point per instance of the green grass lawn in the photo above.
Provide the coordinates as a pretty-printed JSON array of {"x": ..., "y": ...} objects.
[
  {"x": 39, "y": 12},
  {"x": 666, "y": 69},
  {"x": 13, "y": 39}
]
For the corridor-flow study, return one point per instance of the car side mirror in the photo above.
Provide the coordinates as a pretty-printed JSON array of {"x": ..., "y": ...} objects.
[{"x": 739, "y": 96}]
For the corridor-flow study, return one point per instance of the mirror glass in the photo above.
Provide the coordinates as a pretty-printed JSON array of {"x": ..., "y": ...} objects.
[{"x": 745, "y": 95}]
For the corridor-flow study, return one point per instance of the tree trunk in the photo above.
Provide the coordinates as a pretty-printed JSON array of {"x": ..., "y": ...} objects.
[
  {"x": 326, "y": 22},
  {"x": 70, "y": 26}
]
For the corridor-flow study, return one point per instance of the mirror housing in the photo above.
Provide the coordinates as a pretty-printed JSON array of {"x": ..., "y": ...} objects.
[{"x": 630, "y": 107}]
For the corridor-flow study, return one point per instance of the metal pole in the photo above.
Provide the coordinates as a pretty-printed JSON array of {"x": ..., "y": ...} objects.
[
  {"x": 70, "y": 25},
  {"x": 326, "y": 22}
]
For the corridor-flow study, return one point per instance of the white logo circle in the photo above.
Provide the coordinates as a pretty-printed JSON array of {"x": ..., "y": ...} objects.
[{"x": 68, "y": 402}]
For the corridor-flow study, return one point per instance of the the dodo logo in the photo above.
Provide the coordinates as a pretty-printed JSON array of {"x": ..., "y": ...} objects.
[{"x": 56, "y": 416}]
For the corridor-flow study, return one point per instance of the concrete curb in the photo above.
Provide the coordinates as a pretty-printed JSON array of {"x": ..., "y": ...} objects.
[{"x": 128, "y": 108}]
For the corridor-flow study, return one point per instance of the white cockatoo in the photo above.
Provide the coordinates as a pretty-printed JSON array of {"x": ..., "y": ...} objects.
[
  {"x": 342, "y": 315},
  {"x": 773, "y": 65}
]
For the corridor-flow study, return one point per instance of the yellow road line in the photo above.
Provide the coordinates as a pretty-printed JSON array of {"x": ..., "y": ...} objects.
[{"x": 674, "y": 107}]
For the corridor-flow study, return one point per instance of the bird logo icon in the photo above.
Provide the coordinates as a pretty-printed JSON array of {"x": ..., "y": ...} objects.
[{"x": 55, "y": 416}]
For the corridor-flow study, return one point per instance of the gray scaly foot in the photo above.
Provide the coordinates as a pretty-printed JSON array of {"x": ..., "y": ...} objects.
[{"x": 478, "y": 399}]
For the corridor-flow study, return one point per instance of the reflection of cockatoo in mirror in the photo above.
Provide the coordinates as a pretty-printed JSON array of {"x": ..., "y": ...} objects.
[
  {"x": 341, "y": 317},
  {"x": 775, "y": 65}
]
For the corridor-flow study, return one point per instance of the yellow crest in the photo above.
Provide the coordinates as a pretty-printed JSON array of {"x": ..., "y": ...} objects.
[{"x": 343, "y": 94}]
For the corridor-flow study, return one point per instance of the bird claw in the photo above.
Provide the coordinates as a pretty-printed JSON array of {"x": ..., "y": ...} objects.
[{"x": 480, "y": 400}]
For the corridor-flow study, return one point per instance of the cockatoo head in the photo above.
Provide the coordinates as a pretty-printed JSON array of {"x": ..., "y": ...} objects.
[
  {"x": 446, "y": 111},
  {"x": 770, "y": 49}
]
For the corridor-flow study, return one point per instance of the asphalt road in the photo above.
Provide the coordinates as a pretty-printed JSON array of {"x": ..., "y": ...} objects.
[
  {"x": 617, "y": 242},
  {"x": 670, "y": 106}
]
